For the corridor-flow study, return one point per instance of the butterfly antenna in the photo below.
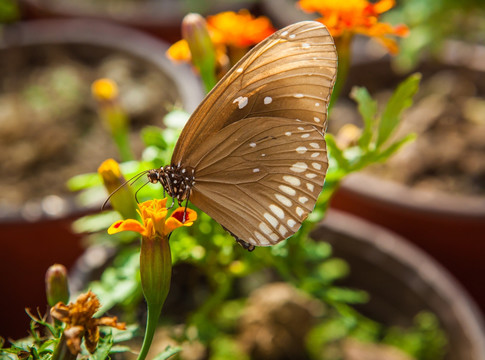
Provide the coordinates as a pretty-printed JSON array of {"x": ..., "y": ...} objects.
[
  {"x": 130, "y": 181},
  {"x": 141, "y": 187}
]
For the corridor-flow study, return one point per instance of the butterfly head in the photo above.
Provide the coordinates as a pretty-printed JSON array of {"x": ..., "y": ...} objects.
[{"x": 176, "y": 181}]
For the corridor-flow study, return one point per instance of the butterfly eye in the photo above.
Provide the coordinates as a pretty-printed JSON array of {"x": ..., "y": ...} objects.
[{"x": 253, "y": 154}]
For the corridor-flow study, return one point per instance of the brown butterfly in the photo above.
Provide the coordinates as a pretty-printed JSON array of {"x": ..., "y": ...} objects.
[{"x": 253, "y": 154}]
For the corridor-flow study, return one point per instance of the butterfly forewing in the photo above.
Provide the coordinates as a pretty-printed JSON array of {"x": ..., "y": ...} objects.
[{"x": 256, "y": 144}]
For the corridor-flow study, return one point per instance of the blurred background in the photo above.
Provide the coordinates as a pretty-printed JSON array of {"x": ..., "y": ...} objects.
[{"x": 431, "y": 193}]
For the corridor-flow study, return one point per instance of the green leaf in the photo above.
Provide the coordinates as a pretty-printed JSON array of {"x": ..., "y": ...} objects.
[
  {"x": 103, "y": 349},
  {"x": 169, "y": 351},
  {"x": 336, "y": 152},
  {"x": 399, "y": 101},
  {"x": 368, "y": 110},
  {"x": 393, "y": 148}
]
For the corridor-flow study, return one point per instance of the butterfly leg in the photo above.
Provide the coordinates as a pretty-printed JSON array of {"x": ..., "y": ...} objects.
[{"x": 241, "y": 242}]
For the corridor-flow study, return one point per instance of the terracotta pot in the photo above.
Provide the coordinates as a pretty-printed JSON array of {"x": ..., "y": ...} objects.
[
  {"x": 159, "y": 18},
  {"x": 451, "y": 228},
  {"x": 39, "y": 234},
  {"x": 402, "y": 281}
]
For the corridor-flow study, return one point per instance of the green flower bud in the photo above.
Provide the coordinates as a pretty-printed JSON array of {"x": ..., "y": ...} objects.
[{"x": 56, "y": 287}]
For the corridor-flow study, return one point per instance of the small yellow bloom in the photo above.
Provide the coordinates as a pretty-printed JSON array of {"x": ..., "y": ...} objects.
[
  {"x": 104, "y": 90},
  {"x": 153, "y": 214},
  {"x": 357, "y": 17},
  {"x": 78, "y": 317}
]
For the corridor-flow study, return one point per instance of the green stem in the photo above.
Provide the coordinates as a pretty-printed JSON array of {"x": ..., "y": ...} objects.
[
  {"x": 62, "y": 352},
  {"x": 343, "y": 45},
  {"x": 153, "y": 314},
  {"x": 156, "y": 272}
]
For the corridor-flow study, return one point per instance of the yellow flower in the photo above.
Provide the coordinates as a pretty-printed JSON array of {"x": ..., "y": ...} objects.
[
  {"x": 80, "y": 323},
  {"x": 228, "y": 28},
  {"x": 357, "y": 17},
  {"x": 104, "y": 89},
  {"x": 153, "y": 214}
]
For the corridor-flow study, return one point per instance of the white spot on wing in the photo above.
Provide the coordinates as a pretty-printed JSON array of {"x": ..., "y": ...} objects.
[
  {"x": 291, "y": 222},
  {"x": 315, "y": 154},
  {"x": 301, "y": 128},
  {"x": 301, "y": 149},
  {"x": 252, "y": 144},
  {"x": 255, "y": 170},
  {"x": 303, "y": 199},
  {"x": 317, "y": 166},
  {"x": 271, "y": 219},
  {"x": 267, "y": 100},
  {"x": 265, "y": 228},
  {"x": 292, "y": 180},
  {"x": 310, "y": 186},
  {"x": 261, "y": 238},
  {"x": 299, "y": 167},
  {"x": 292, "y": 36},
  {"x": 299, "y": 211},
  {"x": 298, "y": 96},
  {"x": 282, "y": 230},
  {"x": 288, "y": 133},
  {"x": 284, "y": 33},
  {"x": 240, "y": 70},
  {"x": 317, "y": 104},
  {"x": 274, "y": 237},
  {"x": 283, "y": 199},
  {"x": 287, "y": 190},
  {"x": 316, "y": 119},
  {"x": 277, "y": 211},
  {"x": 310, "y": 175},
  {"x": 315, "y": 145},
  {"x": 304, "y": 136},
  {"x": 241, "y": 101},
  {"x": 305, "y": 45}
]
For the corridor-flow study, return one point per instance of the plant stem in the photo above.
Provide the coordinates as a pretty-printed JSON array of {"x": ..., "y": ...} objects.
[
  {"x": 62, "y": 352},
  {"x": 343, "y": 45},
  {"x": 153, "y": 314}
]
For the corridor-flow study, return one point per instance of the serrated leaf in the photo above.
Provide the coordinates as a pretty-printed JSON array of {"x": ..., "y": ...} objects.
[
  {"x": 399, "y": 101},
  {"x": 368, "y": 110}
]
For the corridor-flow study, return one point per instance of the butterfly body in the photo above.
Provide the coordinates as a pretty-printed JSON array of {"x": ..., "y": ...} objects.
[{"x": 253, "y": 155}]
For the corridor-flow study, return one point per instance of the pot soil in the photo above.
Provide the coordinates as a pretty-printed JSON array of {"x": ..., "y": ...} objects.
[
  {"x": 50, "y": 132},
  {"x": 433, "y": 190}
]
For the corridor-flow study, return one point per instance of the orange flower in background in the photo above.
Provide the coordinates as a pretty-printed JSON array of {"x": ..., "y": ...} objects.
[
  {"x": 357, "y": 17},
  {"x": 153, "y": 214},
  {"x": 239, "y": 29},
  {"x": 228, "y": 28}
]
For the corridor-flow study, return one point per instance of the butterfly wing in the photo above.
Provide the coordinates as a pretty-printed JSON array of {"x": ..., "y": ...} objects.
[
  {"x": 256, "y": 143},
  {"x": 290, "y": 74}
]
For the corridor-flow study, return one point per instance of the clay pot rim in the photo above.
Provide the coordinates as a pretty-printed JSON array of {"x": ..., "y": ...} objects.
[
  {"x": 88, "y": 31},
  {"x": 392, "y": 194},
  {"x": 407, "y": 254}
]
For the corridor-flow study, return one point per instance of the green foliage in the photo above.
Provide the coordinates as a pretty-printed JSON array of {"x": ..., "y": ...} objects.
[{"x": 301, "y": 261}]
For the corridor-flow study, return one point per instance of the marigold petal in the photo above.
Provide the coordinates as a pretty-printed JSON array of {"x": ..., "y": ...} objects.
[
  {"x": 175, "y": 219},
  {"x": 179, "y": 52},
  {"x": 383, "y": 5},
  {"x": 111, "y": 321},
  {"x": 127, "y": 225}
]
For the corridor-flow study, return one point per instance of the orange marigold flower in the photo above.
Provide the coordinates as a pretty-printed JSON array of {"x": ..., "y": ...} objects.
[
  {"x": 239, "y": 29},
  {"x": 356, "y": 17},
  {"x": 228, "y": 28},
  {"x": 78, "y": 317},
  {"x": 153, "y": 214}
]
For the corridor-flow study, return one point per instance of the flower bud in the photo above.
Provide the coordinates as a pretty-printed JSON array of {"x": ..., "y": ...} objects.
[
  {"x": 195, "y": 32},
  {"x": 56, "y": 287},
  {"x": 122, "y": 197}
]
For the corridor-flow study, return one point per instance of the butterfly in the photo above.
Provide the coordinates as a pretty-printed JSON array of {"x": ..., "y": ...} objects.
[{"x": 253, "y": 154}]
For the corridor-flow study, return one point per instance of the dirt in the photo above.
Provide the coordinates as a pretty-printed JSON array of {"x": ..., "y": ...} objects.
[
  {"x": 50, "y": 130},
  {"x": 448, "y": 116}
]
